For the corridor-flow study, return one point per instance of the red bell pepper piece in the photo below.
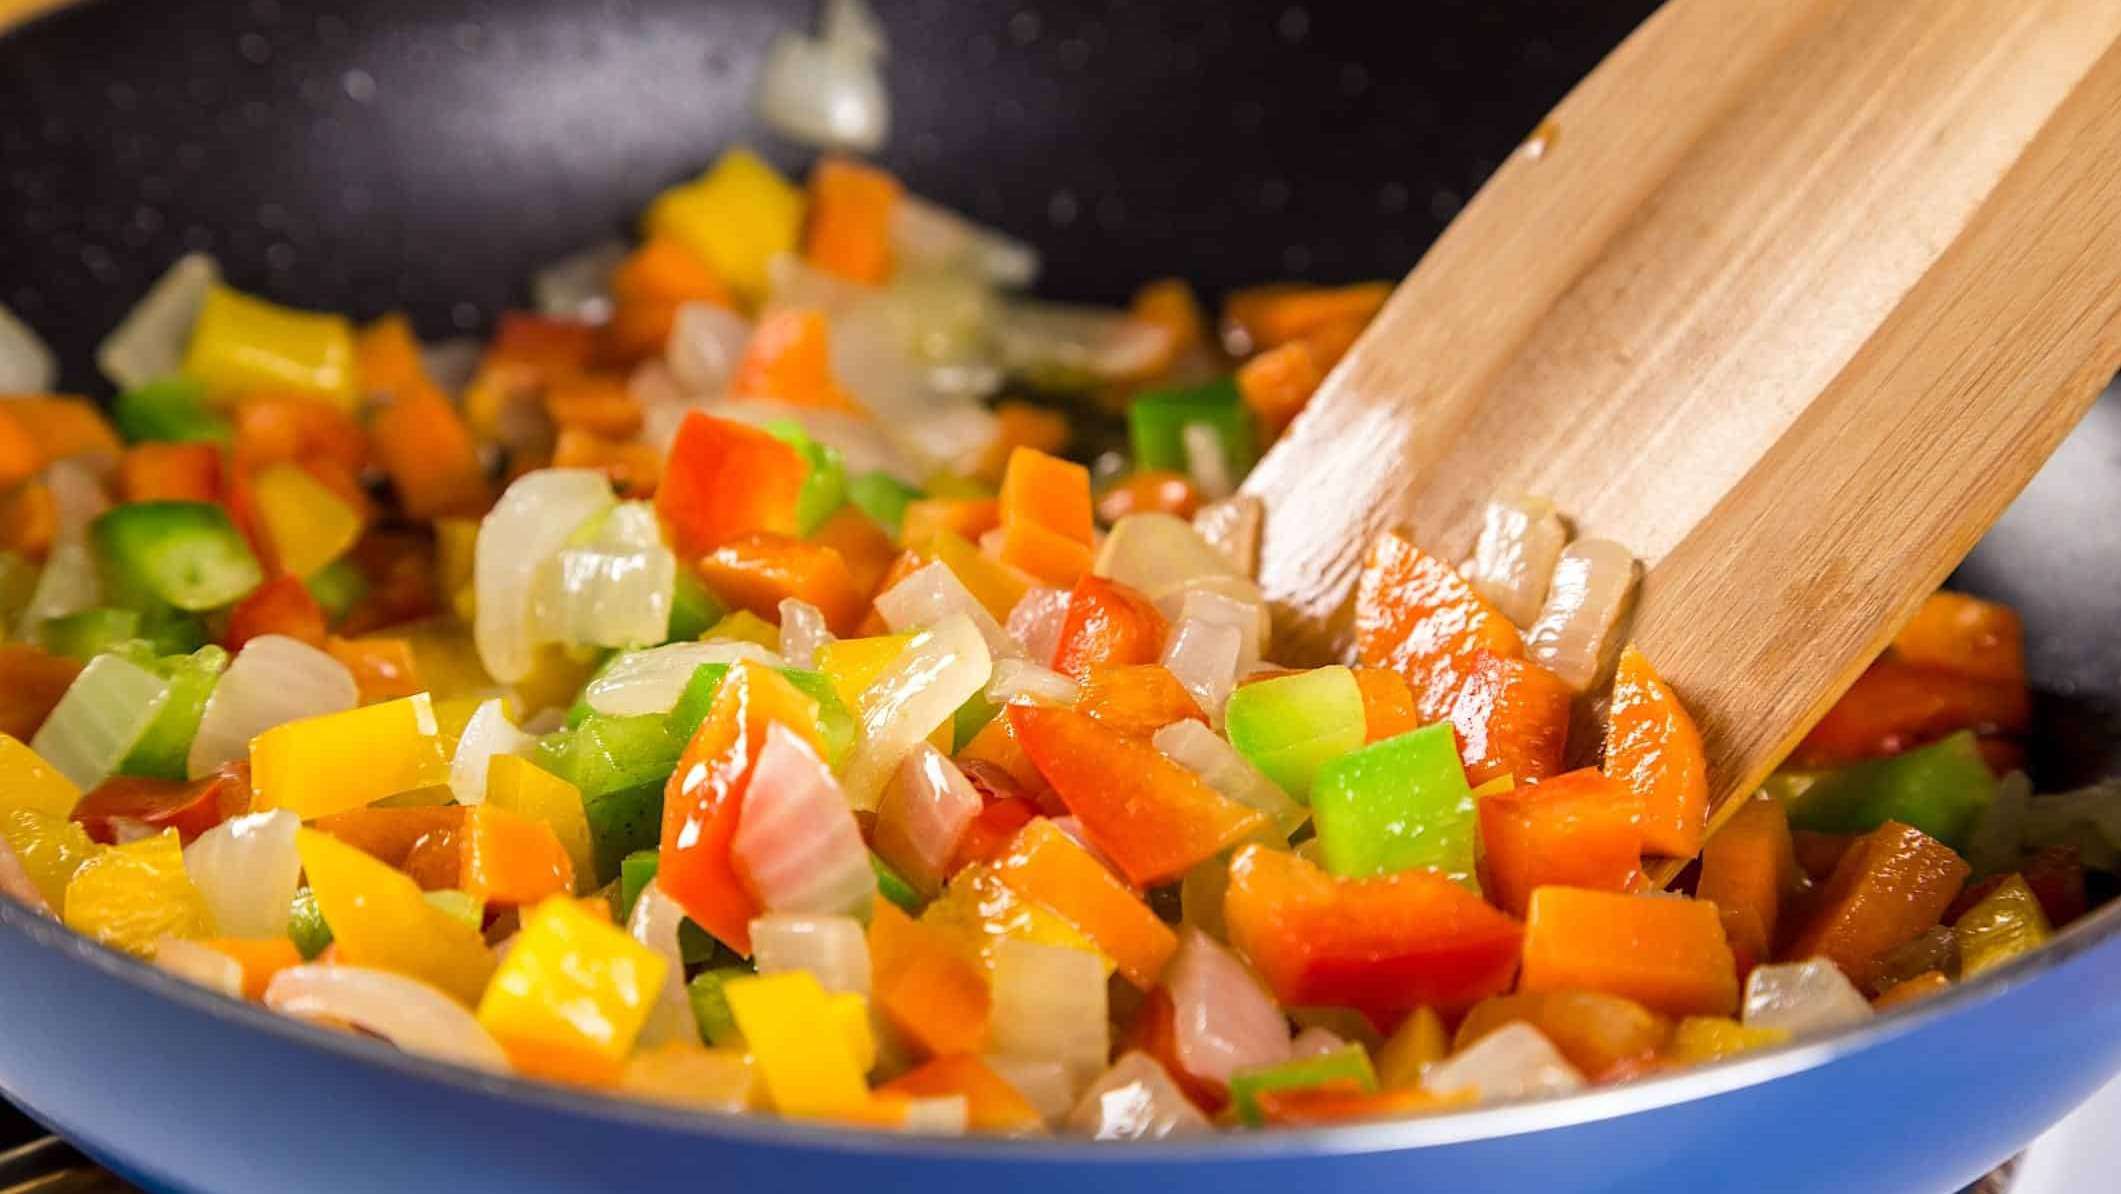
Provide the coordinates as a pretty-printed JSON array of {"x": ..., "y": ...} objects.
[
  {"x": 1512, "y": 718},
  {"x": 282, "y": 605},
  {"x": 391, "y": 835},
  {"x": 1415, "y": 614},
  {"x": 191, "y": 808},
  {"x": 758, "y": 571},
  {"x": 989, "y": 834},
  {"x": 1382, "y": 946},
  {"x": 1577, "y": 830},
  {"x": 1136, "y": 700},
  {"x": 726, "y": 479},
  {"x": 1897, "y": 706},
  {"x": 1107, "y": 622},
  {"x": 1651, "y": 745},
  {"x": 1153, "y": 818},
  {"x": 1966, "y": 636}
]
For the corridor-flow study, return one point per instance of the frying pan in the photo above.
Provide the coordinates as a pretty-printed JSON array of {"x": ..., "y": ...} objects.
[{"x": 419, "y": 154}]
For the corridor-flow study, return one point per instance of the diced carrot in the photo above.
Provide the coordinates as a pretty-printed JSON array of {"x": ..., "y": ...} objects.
[
  {"x": 428, "y": 450},
  {"x": 760, "y": 570},
  {"x": 1578, "y": 830},
  {"x": 507, "y": 858},
  {"x": 1652, "y": 746},
  {"x": 31, "y": 683},
  {"x": 1511, "y": 717},
  {"x": 1952, "y": 632},
  {"x": 1049, "y": 492},
  {"x": 991, "y": 1104},
  {"x": 29, "y": 518},
  {"x": 1415, "y": 614},
  {"x": 19, "y": 454},
  {"x": 1277, "y": 384},
  {"x": 863, "y": 545},
  {"x": 282, "y": 605},
  {"x": 1920, "y": 987},
  {"x": 272, "y": 427},
  {"x": 966, "y": 517},
  {"x": 1109, "y": 623},
  {"x": 1893, "y": 884},
  {"x": 1896, "y": 706},
  {"x": 1137, "y": 699},
  {"x": 1043, "y": 553},
  {"x": 1667, "y": 953},
  {"x": 260, "y": 959},
  {"x": 988, "y": 835},
  {"x": 176, "y": 472},
  {"x": 1387, "y": 704},
  {"x": 725, "y": 480},
  {"x": 383, "y": 668},
  {"x": 1595, "y": 1031},
  {"x": 390, "y": 835},
  {"x": 1020, "y": 425},
  {"x": 849, "y": 232},
  {"x": 1149, "y": 491},
  {"x": 927, "y": 988},
  {"x": 788, "y": 360},
  {"x": 1046, "y": 865},
  {"x": 1266, "y": 317},
  {"x": 647, "y": 289},
  {"x": 597, "y": 402},
  {"x": 60, "y": 427},
  {"x": 1747, "y": 869}
]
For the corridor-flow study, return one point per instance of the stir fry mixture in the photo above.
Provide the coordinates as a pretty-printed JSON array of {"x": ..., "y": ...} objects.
[{"x": 720, "y": 689}]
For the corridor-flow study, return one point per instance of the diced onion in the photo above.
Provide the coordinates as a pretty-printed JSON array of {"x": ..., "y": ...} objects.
[
  {"x": 613, "y": 591},
  {"x": 706, "y": 342},
  {"x": 1064, "y": 346},
  {"x": 1046, "y": 1085},
  {"x": 149, "y": 343},
  {"x": 1206, "y": 464},
  {"x": 683, "y": 1074},
  {"x": 828, "y": 91},
  {"x": 1579, "y": 632},
  {"x": 928, "y": 236},
  {"x": 1231, "y": 526},
  {"x": 797, "y": 843},
  {"x": 529, "y": 525},
  {"x": 802, "y": 632},
  {"x": 938, "y": 671},
  {"x": 408, "y": 1013},
  {"x": 1155, "y": 553},
  {"x": 15, "y": 881},
  {"x": 195, "y": 963},
  {"x": 273, "y": 680},
  {"x": 1219, "y": 765},
  {"x": 1513, "y": 1062},
  {"x": 2088, "y": 818},
  {"x": 1998, "y": 838},
  {"x": 923, "y": 816},
  {"x": 487, "y": 733},
  {"x": 832, "y": 949},
  {"x": 941, "y": 1115},
  {"x": 1022, "y": 680},
  {"x": 1049, "y": 1003},
  {"x": 932, "y": 593},
  {"x": 27, "y": 365},
  {"x": 68, "y": 584},
  {"x": 1223, "y": 1020},
  {"x": 1206, "y": 657},
  {"x": 949, "y": 435},
  {"x": 652, "y": 384},
  {"x": 651, "y": 681},
  {"x": 1521, "y": 539},
  {"x": 1136, "y": 1100},
  {"x": 1802, "y": 997},
  {"x": 654, "y": 923},
  {"x": 1036, "y": 620},
  {"x": 577, "y": 287},
  {"x": 95, "y": 724},
  {"x": 1226, "y": 601},
  {"x": 1315, "y": 1041},
  {"x": 852, "y": 26},
  {"x": 247, "y": 869}
]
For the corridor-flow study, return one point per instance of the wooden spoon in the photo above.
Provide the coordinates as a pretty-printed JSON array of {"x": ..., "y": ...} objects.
[{"x": 1789, "y": 296}]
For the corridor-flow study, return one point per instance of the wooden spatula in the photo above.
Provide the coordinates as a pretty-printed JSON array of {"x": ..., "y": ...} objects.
[{"x": 1789, "y": 296}]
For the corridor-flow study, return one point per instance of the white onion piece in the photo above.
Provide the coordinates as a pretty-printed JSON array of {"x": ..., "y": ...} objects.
[
  {"x": 1206, "y": 465},
  {"x": 1227, "y": 601},
  {"x": 525, "y": 529},
  {"x": 1998, "y": 838},
  {"x": 923, "y": 815},
  {"x": 1579, "y": 632},
  {"x": 652, "y": 384},
  {"x": 1512, "y": 1062},
  {"x": 832, "y": 949},
  {"x": 706, "y": 342},
  {"x": 940, "y": 1115},
  {"x": 452, "y": 363},
  {"x": 792, "y": 282},
  {"x": 195, "y": 963},
  {"x": 1046, "y": 1085},
  {"x": 938, "y": 671},
  {"x": 1049, "y": 1004},
  {"x": 654, "y": 923},
  {"x": 1068, "y": 346},
  {"x": 1022, "y": 680},
  {"x": 1155, "y": 553},
  {"x": 803, "y": 631},
  {"x": 67, "y": 584},
  {"x": 487, "y": 733},
  {"x": 1207, "y": 658},
  {"x": 577, "y": 287},
  {"x": 949, "y": 435},
  {"x": 931, "y": 593},
  {"x": 247, "y": 869},
  {"x": 408, "y": 1013},
  {"x": 1802, "y": 997},
  {"x": 272, "y": 680},
  {"x": 1520, "y": 541},
  {"x": 613, "y": 591},
  {"x": 27, "y": 365},
  {"x": 78, "y": 494},
  {"x": 1136, "y": 1100},
  {"x": 1035, "y": 620},
  {"x": 928, "y": 236},
  {"x": 1315, "y": 1041},
  {"x": 651, "y": 681},
  {"x": 149, "y": 343},
  {"x": 103, "y": 713},
  {"x": 797, "y": 843},
  {"x": 828, "y": 91},
  {"x": 1223, "y": 1020},
  {"x": 853, "y": 27},
  {"x": 15, "y": 882},
  {"x": 682, "y": 1074},
  {"x": 1231, "y": 526},
  {"x": 1219, "y": 765}
]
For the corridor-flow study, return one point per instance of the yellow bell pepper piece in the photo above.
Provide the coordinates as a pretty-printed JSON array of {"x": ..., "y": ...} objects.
[
  {"x": 1417, "y": 1043},
  {"x": 452, "y": 714},
  {"x": 572, "y": 996},
  {"x": 28, "y": 782},
  {"x": 379, "y": 917},
  {"x": 851, "y": 1012},
  {"x": 688, "y": 1075},
  {"x": 853, "y": 664},
  {"x": 805, "y": 1071},
  {"x": 1706, "y": 1038},
  {"x": 737, "y": 217},
  {"x": 50, "y": 848},
  {"x": 309, "y": 525},
  {"x": 129, "y": 897},
  {"x": 446, "y": 660},
  {"x": 996, "y": 585},
  {"x": 526, "y": 789},
  {"x": 241, "y": 344},
  {"x": 978, "y": 911},
  {"x": 341, "y": 761},
  {"x": 2005, "y": 923},
  {"x": 556, "y": 675},
  {"x": 745, "y": 627}
]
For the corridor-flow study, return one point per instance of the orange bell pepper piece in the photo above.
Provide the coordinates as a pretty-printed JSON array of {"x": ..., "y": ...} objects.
[
  {"x": 174, "y": 472},
  {"x": 1651, "y": 745},
  {"x": 996, "y": 747},
  {"x": 297, "y": 427},
  {"x": 1893, "y": 884},
  {"x": 1382, "y": 946},
  {"x": 1415, "y": 614},
  {"x": 597, "y": 402},
  {"x": 260, "y": 960},
  {"x": 1154, "y": 1031},
  {"x": 390, "y": 835},
  {"x": 1044, "y": 553},
  {"x": 968, "y": 518},
  {"x": 383, "y": 668},
  {"x": 548, "y": 348},
  {"x": 1135, "y": 700},
  {"x": 759, "y": 570},
  {"x": 428, "y": 450},
  {"x": 1277, "y": 384},
  {"x": 1952, "y": 632},
  {"x": 1387, "y": 704},
  {"x": 863, "y": 546},
  {"x": 1341, "y": 1102},
  {"x": 726, "y": 479},
  {"x": 29, "y": 518},
  {"x": 282, "y": 605},
  {"x": 60, "y": 427},
  {"x": 1047, "y": 866},
  {"x": 991, "y": 1104},
  {"x": 1578, "y": 830},
  {"x": 634, "y": 467},
  {"x": 1596, "y": 1032},
  {"x": 1265, "y": 317},
  {"x": 507, "y": 858},
  {"x": 1667, "y": 953},
  {"x": 1819, "y": 853},
  {"x": 1920, "y": 987},
  {"x": 1153, "y": 818},
  {"x": 988, "y": 836},
  {"x": 1170, "y": 304},
  {"x": 1149, "y": 491},
  {"x": 850, "y": 220},
  {"x": 1747, "y": 869},
  {"x": 647, "y": 289},
  {"x": 387, "y": 362},
  {"x": 928, "y": 989},
  {"x": 31, "y": 682},
  {"x": 1512, "y": 718},
  {"x": 1048, "y": 491},
  {"x": 788, "y": 360},
  {"x": 1108, "y": 623},
  {"x": 19, "y": 455},
  {"x": 1020, "y": 425},
  {"x": 1896, "y": 706}
]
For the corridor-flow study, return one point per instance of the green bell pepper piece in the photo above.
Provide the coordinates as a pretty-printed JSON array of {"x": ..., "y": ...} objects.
[
  {"x": 1349, "y": 1063},
  {"x": 1940, "y": 789},
  {"x": 337, "y": 586},
  {"x": 696, "y": 701},
  {"x": 581, "y": 710},
  {"x": 893, "y": 886},
  {"x": 1290, "y": 726},
  {"x": 305, "y": 925},
  {"x": 710, "y": 1007},
  {"x": 693, "y": 610},
  {"x": 1397, "y": 805},
  {"x": 173, "y": 631},
  {"x": 1157, "y": 421},
  {"x": 90, "y": 632},
  {"x": 165, "y": 747},
  {"x": 170, "y": 408},
  {"x": 824, "y": 485},
  {"x": 883, "y": 498},
  {"x": 835, "y": 724},
  {"x": 186, "y": 554},
  {"x": 970, "y": 718},
  {"x": 636, "y": 872},
  {"x": 619, "y": 765}
]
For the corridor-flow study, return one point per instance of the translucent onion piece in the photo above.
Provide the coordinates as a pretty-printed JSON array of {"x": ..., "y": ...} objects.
[
  {"x": 195, "y": 963},
  {"x": 1049, "y": 1004},
  {"x": 1206, "y": 464},
  {"x": 932, "y": 593},
  {"x": 802, "y": 632},
  {"x": 104, "y": 712},
  {"x": 923, "y": 815},
  {"x": 1998, "y": 839},
  {"x": 1520, "y": 540},
  {"x": 797, "y": 844},
  {"x": 1156, "y": 553},
  {"x": 1579, "y": 632},
  {"x": 1046, "y": 1085},
  {"x": 577, "y": 287},
  {"x": 1035, "y": 621},
  {"x": 1022, "y": 680},
  {"x": 1135, "y": 1100},
  {"x": 1223, "y": 1019},
  {"x": 825, "y": 93},
  {"x": 942, "y": 1115},
  {"x": 272, "y": 680},
  {"x": 654, "y": 923},
  {"x": 16, "y": 883},
  {"x": 1064, "y": 346},
  {"x": 851, "y": 26},
  {"x": 939, "y": 670},
  {"x": 247, "y": 869},
  {"x": 613, "y": 591},
  {"x": 1315, "y": 1041},
  {"x": 652, "y": 384},
  {"x": 487, "y": 733},
  {"x": 526, "y": 528},
  {"x": 1228, "y": 601},
  {"x": 406, "y": 1012},
  {"x": 1219, "y": 765},
  {"x": 1207, "y": 657},
  {"x": 1802, "y": 997},
  {"x": 27, "y": 365},
  {"x": 928, "y": 236},
  {"x": 706, "y": 342},
  {"x": 833, "y": 949},
  {"x": 68, "y": 584},
  {"x": 685, "y": 1075},
  {"x": 651, "y": 681},
  {"x": 949, "y": 435},
  {"x": 2088, "y": 818},
  {"x": 1513, "y": 1062},
  {"x": 1231, "y": 526},
  {"x": 149, "y": 343}
]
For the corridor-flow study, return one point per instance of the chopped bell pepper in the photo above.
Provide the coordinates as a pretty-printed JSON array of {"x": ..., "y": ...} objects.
[
  {"x": 165, "y": 747},
  {"x": 619, "y": 764},
  {"x": 997, "y": 585},
  {"x": 433, "y": 460},
  {"x": 1136, "y": 700},
  {"x": 507, "y": 858},
  {"x": 1667, "y": 953},
  {"x": 1292, "y": 725},
  {"x": 170, "y": 472},
  {"x": 59, "y": 427},
  {"x": 390, "y": 835},
  {"x": 1418, "y": 1042},
  {"x": 50, "y": 849},
  {"x": 1347, "y": 1066},
  {"x": 710, "y": 1006},
  {"x": 853, "y": 664},
  {"x": 85, "y": 634},
  {"x": 377, "y": 917},
  {"x": 849, "y": 232},
  {"x": 1396, "y": 805},
  {"x": 1157, "y": 421},
  {"x": 1940, "y": 789},
  {"x": 1048, "y": 866},
  {"x": 1264, "y": 317},
  {"x": 129, "y": 897},
  {"x": 1278, "y": 383},
  {"x": 1896, "y": 705},
  {"x": 305, "y": 925},
  {"x": 1922, "y": 986},
  {"x": 789, "y": 361},
  {"x": 522, "y": 787},
  {"x": 323, "y": 765},
  {"x": 572, "y": 995},
  {"x": 743, "y": 626},
  {"x": 1709, "y": 1038},
  {"x": 260, "y": 959},
  {"x": 189, "y": 808},
  {"x": 1512, "y": 718},
  {"x": 171, "y": 409},
  {"x": 647, "y": 288},
  {"x": 1387, "y": 704},
  {"x": 241, "y": 344},
  {"x": 834, "y": 724},
  {"x": 1956, "y": 633},
  {"x": 1747, "y": 869},
  {"x": 1417, "y": 615},
  {"x": 283, "y": 605},
  {"x": 187, "y": 554},
  {"x": 1050, "y": 492},
  {"x": 970, "y": 517},
  {"x": 28, "y": 782},
  {"x": 2006, "y": 923},
  {"x": 926, "y": 986},
  {"x": 1597, "y": 1032},
  {"x": 883, "y": 498},
  {"x": 991, "y": 1104},
  {"x": 1577, "y": 830},
  {"x": 725, "y": 480},
  {"x": 824, "y": 485},
  {"x": 759, "y": 570},
  {"x": 1107, "y": 622},
  {"x": 806, "y": 1072},
  {"x": 737, "y": 217},
  {"x": 978, "y": 911},
  {"x": 1652, "y": 746},
  {"x": 692, "y": 608},
  {"x": 893, "y": 886},
  {"x": 695, "y": 702},
  {"x": 308, "y": 524}
]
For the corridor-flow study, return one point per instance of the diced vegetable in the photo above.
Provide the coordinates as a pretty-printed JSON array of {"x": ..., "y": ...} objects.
[
  {"x": 323, "y": 765},
  {"x": 530, "y": 524},
  {"x": 163, "y": 749},
  {"x": 272, "y": 681},
  {"x": 1890, "y": 886},
  {"x": 187, "y": 554},
  {"x": 610, "y": 589},
  {"x": 1666, "y": 953},
  {"x": 1802, "y": 997},
  {"x": 1746, "y": 871},
  {"x": 1135, "y": 1100},
  {"x": 1291, "y": 726},
  {"x": 938, "y": 671},
  {"x": 927, "y": 988},
  {"x": 571, "y": 996},
  {"x": 246, "y": 869},
  {"x": 1416, "y": 615},
  {"x": 1049, "y": 1003},
  {"x": 378, "y": 918},
  {"x": 408, "y": 1013},
  {"x": 1710, "y": 1038},
  {"x": 1599, "y": 1034},
  {"x": 1347, "y": 1065},
  {"x": 28, "y": 782},
  {"x": 1512, "y": 718},
  {"x": 1575, "y": 830},
  {"x": 1044, "y": 865},
  {"x": 149, "y": 342},
  {"x": 2006, "y": 923},
  {"x": 1396, "y": 805},
  {"x": 1520, "y": 540},
  {"x": 129, "y": 897},
  {"x": 521, "y": 787},
  {"x": 1513, "y": 1062},
  {"x": 128, "y": 804},
  {"x": 1223, "y": 1020},
  {"x": 1418, "y": 1043},
  {"x": 104, "y": 713},
  {"x": 1940, "y": 789},
  {"x": 797, "y": 845},
  {"x": 1652, "y": 746},
  {"x": 169, "y": 409},
  {"x": 923, "y": 815},
  {"x": 240, "y": 344},
  {"x": 1592, "y": 594},
  {"x": 806, "y": 1072}
]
